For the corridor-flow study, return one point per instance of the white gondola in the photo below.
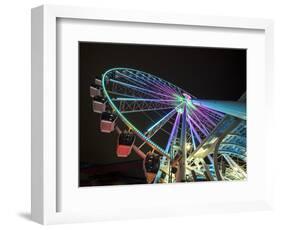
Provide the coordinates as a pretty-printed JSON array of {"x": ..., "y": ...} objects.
[
  {"x": 108, "y": 121},
  {"x": 95, "y": 90},
  {"x": 99, "y": 104},
  {"x": 98, "y": 81}
]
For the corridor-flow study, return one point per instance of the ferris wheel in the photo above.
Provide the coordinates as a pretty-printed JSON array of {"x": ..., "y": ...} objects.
[{"x": 175, "y": 133}]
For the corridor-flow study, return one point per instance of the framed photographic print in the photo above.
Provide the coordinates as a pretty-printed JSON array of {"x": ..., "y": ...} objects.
[{"x": 139, "y": 114}]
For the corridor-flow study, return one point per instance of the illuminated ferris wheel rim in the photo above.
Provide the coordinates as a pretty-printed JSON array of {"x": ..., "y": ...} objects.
[
  {"x": 124, "y": 119},
  {"x": 179, "y": 96}
]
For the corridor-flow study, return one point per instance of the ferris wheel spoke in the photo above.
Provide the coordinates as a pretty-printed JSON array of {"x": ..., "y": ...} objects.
[
  {"x": 205, "y": 116},
  {"x": 212, "y": 115},
  {"x": 143, "y": 82},
  {"x": 197, "y": 136},
  {"x": 167, "y": 84},
  {"x": 144, "y": 99},
  {"x": 154, "y": 81},
  {"x": 139, "y": 82},
  {"x": 158, "y": 126},
  {"x": 152, "y": 84},
  {"x": 128, "y": 97},
  {"x": 198, "y": 120},
  {"x": 163, "y": 120},
  {"x": 134, "y": 89},
  {"x": 135, "y": 79},
  {"x": 170, "y": 121},
  {"x": 143, "y": 90},
  {"x": 198, "y": 126},
  {"x": 201, "y": 123}
]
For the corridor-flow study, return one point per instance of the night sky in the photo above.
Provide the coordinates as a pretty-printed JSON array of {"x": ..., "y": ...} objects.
[{"x": 206, "y": 73}]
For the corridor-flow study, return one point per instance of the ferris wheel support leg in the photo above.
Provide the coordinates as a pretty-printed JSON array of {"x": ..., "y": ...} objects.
[
  {"x": 183, "y": 147},
  {"x": 207, "y": 172}
]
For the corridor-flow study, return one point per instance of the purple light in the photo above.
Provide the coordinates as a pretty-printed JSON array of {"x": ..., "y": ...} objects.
[
  {"x": 173, "y": 133},
  {"x": 197, "y": 125}
]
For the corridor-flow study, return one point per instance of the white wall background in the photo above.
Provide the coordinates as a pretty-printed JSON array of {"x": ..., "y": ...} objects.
[{"x": 15, "y": 112}]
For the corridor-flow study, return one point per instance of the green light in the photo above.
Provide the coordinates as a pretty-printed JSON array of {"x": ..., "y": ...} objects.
[
  {"x": 180, "y": 110},
  {"x": 179, "y": 98}
]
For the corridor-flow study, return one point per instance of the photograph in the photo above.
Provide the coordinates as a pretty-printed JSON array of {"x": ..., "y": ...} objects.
[{"x": 157, "y": 114}]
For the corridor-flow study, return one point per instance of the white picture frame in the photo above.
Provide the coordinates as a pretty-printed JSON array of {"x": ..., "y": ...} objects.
[{"x": 45, "y": 90}]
